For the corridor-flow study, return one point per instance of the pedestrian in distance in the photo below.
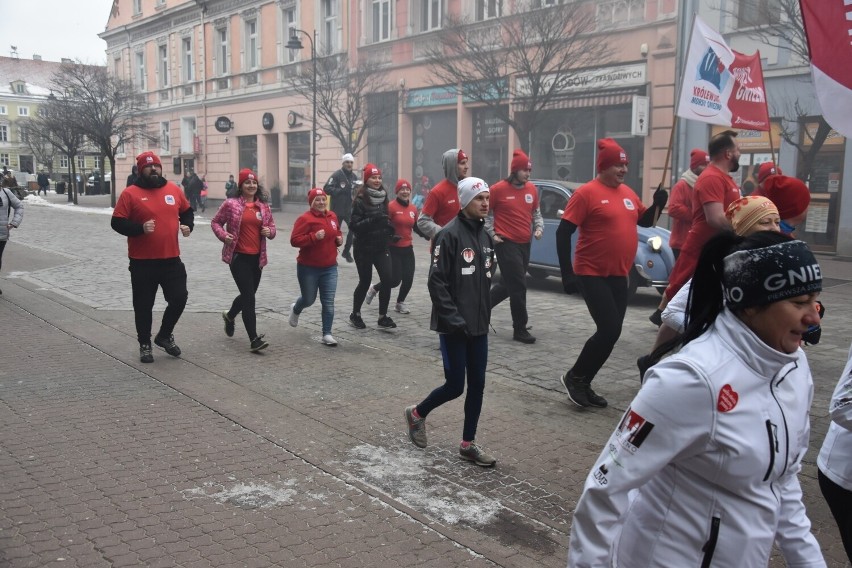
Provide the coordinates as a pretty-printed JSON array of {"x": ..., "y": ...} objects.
[
  {"x": 316, "y": 233},
  {"x": 459, "y": 283},
  {"x": 514, "y": 219},
  {"x": 442, "y": 203},
  {"x": 8, "y": 220},
  {"x": 607, "y": 212},
  {"x": 151, "y": 213},
  {"x": 680, "y": 203},
  {"x": 340, "y": 189},
  {"x": 373, "y": 233},
  {"x": 702, "y": 469},
  {"x": 131, "y": 179},
  {"x": 403, "y": 220},
  {"x": 244, "y": 223},
  {"x": 230, "y": 187},
  {"x": 43, "y": 183}
]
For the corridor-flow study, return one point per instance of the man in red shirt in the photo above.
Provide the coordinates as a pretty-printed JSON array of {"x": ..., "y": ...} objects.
[
  {"x": 680, "y": 204},
  {"x": 150, "y": 213},
  {"x": 442, "y": 203},
  {"x": 514, "y": 207},
  {"x": 606, "y": 211},
  {"x": 714, "y": 191}
]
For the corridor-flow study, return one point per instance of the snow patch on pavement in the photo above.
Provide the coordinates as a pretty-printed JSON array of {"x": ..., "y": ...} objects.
[{"x": 246, "y": 495}]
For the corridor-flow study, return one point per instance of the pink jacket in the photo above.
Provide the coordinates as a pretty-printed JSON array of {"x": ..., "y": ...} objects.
[{"x": 230, "y": 215}]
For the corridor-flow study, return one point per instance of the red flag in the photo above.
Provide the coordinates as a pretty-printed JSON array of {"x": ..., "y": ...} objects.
[
  {"x": 748, "y": 97},
  {"x": 828, "y": 28}
]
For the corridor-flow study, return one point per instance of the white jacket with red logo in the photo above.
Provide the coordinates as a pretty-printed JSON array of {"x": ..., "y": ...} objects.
[
  {"x": 835, "y": 457},
  {"x": 712, "y": 446}
]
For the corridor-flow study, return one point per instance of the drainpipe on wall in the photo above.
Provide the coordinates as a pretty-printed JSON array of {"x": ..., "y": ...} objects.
[{"x": 203, "y": 5}]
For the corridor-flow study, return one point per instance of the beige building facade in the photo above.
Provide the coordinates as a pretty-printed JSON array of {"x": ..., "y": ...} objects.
[{"x": 216, "y": 75}]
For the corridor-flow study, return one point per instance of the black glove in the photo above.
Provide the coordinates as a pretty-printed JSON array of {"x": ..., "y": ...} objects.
[
  {"x": 661, "y": 197},
  {"x": 396, "y": 238}
]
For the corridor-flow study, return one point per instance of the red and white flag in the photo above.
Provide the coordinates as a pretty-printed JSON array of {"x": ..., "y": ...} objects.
[
  {"x": 828, "y": 28},
  {"x": 720, "y": 85}
]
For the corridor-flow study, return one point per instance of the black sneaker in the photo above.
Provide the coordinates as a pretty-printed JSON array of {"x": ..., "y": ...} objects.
[
  {"x": 523, "y": 336},
  {"x": 257, "y": 344},
  {"x": 168, "y": 343},
  {"x": 356, "y": 321},
  {"x": 576, "y": 389},
  {"x": 657, "y": 317},
  {"x": 229, "y": 325},
  {"x": 593, "y": 398},
  {"x": 386, "y": 322},
  {"x": 145, "y": 353},
  {"x": 347, "y": 256}
]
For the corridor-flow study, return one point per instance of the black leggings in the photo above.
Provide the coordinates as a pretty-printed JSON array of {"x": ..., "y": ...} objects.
[
  {"x": 245, "y": 268},
  {"x": 146, "y": 276},
  {"x": 606, "y": 298},
  {"x": 402, "y": 271},
  {"x": 2, "y": 247},
  {"x": 840, "y": 503},
  {"x": 513, "y": 260},
  {"x": 365, "y": 260}
]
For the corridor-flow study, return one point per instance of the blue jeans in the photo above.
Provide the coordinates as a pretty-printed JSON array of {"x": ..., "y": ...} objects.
[
  {"x": 311, "y": 280},
  {"x": 461, "y": 354}
]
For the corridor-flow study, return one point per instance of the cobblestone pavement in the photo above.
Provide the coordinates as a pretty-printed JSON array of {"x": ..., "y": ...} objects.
[{"x": 296, "y": 456}]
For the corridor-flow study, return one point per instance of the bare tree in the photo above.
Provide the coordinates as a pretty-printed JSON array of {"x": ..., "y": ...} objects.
[
  {"x": 342, "y": 92},
  {"x": 533, "y": 53},
  {"x": 55, "y": 122},
  {"x": 40, "y": 144},
  {"x": 110, "y": 110}
]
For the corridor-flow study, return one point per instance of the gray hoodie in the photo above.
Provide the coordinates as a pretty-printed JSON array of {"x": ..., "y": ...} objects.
[
  {"x": 8, "y": 198},
  {"x": 450, "y": 162}
]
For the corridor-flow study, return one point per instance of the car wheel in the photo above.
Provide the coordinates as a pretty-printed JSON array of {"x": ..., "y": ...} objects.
[
  {"x": 633, "y": 280},
  {"x": 537, "y": 273}
]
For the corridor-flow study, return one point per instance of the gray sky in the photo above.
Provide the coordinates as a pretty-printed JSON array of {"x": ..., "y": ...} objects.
[{"x": 55, "y": 29}]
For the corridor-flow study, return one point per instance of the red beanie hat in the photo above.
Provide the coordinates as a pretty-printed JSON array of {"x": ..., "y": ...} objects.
[
  {"x": 767, "y": 169},
  {"x": 371, "y": 170},
  {"x": 462, "y": 156},
  {"x": 147, "y": 159},
  {"x": 698, "y": 158},
  {"x": 401, "y": 184},
  {"x": 314, "y": 193},
  {"x": 520, "y": 161},
  {"x": 610, "y": 154},
  {"x": 245, "y": 174},
  {"x": 790, "y": 195}
]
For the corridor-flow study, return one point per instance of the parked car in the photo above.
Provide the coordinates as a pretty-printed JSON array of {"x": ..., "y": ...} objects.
[
  {"x": 93, "y": 184},
  {"x": 654, "y": 258}
]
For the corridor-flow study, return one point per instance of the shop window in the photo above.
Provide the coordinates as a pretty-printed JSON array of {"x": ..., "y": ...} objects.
[
  {"x": 247, "y": 148},
  {"x": 298, "y": 163}
]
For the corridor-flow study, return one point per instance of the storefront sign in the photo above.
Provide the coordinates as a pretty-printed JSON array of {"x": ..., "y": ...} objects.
[
  {"x": 619, "y": 76},
  {"x": 268, "y": 121},
  {"x": 223, "y": 124},
  {"x": 485, "y": 91},
  {"x": 754, "y": 140},
  {"x": 639, "y": 122},
  {"x": 834, "y": 138},
  {"x": 431, "y": 96}
]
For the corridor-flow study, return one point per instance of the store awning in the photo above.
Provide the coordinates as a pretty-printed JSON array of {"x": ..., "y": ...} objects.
[{"x": 599, "y": 99}]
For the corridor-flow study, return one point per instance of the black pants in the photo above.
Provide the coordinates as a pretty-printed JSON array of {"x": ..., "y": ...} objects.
[
  {"x": 365, "y": 260},
  {"x": 606, "y": 298},
  {"x": 513, "y": 259},
  {"x": 402, "y": 271},
  {"x": 347, "y": 247},
  {"x": 245, "y": 268},
  {"x": 2, "y": 247},
  {"x": 145, "y": 277},
  {"x": 840, "y": 503}
]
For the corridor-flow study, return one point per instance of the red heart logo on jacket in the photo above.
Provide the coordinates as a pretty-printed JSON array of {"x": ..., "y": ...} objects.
[{"x": 728, "y": 399}]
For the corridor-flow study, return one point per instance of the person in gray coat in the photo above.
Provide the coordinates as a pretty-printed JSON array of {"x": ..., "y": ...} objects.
[{"x": 8, "y": 220}]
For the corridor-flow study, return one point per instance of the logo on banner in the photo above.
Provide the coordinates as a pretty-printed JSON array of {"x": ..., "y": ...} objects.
[{"x": 710, "y": 78}]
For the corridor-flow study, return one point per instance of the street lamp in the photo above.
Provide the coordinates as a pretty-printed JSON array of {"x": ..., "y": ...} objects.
[{"x": 296, "y": 43}]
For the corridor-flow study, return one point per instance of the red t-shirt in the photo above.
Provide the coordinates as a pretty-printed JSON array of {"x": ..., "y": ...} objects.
[
  {"x": 402, "y": 219},
  {"x": 163, "y": 205},
  {"x": 513, "y": 210},
  {"x": 248, "y": 241},
  {"x": 606, "y": 217},
  {"x": 680, "y": 211},
  {"x": 442, "y": 203},
  {"x": 712, "y": 186}
]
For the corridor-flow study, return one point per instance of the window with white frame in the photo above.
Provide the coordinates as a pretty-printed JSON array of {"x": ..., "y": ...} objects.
[
  {"x": 222, "y": 51},
  {"x": 431, "y": 13},
  {"x": 163, "y": 63},
  {"x": 23, "y": 111},
  {"x": 97, "y": 160},
  {"x": 487, "y": 9},
  {"x": 4, "y": 160},
  {"x": 3, "y": 109},
  {"x": 137, "y": 7},
  {"x": 4, "y": 133},
  {"x": 289, "y": 15},
  {"x": 380, "y": 20},
  {"x": 251, "y": 47},
  {"x": 546, "y": 3},
  {"x": 161, "y": 2},
  {"x": 620, "y": 12},
  {"x": 81, "y": 162},
  {"x": 187, "y": 134},
  {"x": 63, "y": 162},
  {"x": 140, "y": 69},
  {"x": 116, "y": 66},
  {"x": 23, "y": 134},
  {"x": 754, "y": 13},
  {"x": 186, "y": 57},
  {"x": 165, "y": 137},
  {"x": 328, "y": 12},
  {"x": 20, "y": 88}
]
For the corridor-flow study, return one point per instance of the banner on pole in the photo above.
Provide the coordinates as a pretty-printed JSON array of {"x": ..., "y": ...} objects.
[
  {"x": 828, "y": 28},
  {"x": 720, "y": 85}
]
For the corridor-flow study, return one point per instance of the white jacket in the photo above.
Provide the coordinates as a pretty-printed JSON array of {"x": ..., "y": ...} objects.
[
  {"x": 835, "y": 457},
  {"x": 711, "y": 446}
]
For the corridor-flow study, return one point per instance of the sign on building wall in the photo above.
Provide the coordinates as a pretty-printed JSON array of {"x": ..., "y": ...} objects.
[
  {"x": 615, "y": 77},
  {"x": 639, "y": 118}
]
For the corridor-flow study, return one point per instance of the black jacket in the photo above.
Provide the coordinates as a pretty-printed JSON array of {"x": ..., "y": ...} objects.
[
  {"x": 460, "y": 277},
  {"x": 339, "y": 186},
  {"x": 371, "y": 226}
]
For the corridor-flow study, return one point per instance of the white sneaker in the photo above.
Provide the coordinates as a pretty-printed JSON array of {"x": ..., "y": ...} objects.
[
  {"x": 294, "y": 317},
  {"x": 327, "y": 339},
  {"x": 371, "y": 293},
  {"x": 401, "y": 308}
]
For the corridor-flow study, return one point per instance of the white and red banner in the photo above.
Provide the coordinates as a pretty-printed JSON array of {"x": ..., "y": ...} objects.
[
  {"x": 828, "y": 27},
  {"x": 721, "y": 86}
]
